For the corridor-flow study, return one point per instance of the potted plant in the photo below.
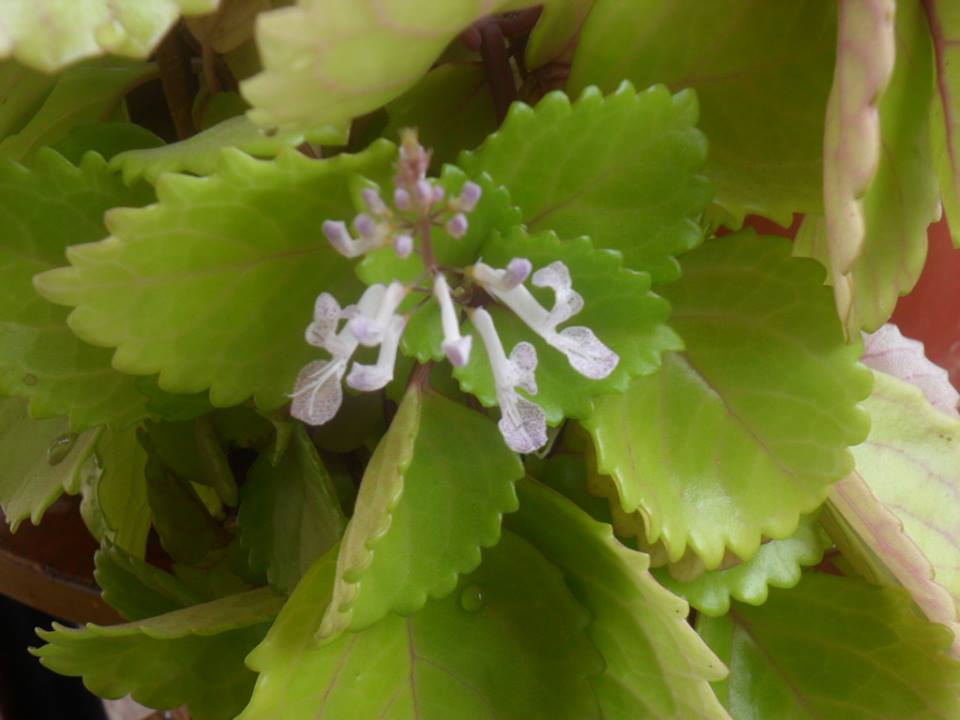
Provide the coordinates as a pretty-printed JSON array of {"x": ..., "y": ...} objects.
[{"x": 423, "y": 360}]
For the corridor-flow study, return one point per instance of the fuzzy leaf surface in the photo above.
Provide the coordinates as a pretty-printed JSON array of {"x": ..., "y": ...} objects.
[
  {"x": 625, "y": 170},
  {"x": 777, "y": 564},
  {"x": 39, "y": 461},
  {"x": 213, "y": 286},
  {"x": 44, "y": 210},
  {"x": 656, "y": 666},
  {"x": 766, "y": 390},
  {"x": 762, "y": 74},
  {"x": 442, "y": 663},
  {"x": 49, "y": 34},
  {"x": 289, "y": 512},
  {"x": 618, "y": 307},
  {"x": 875, "y": 242},
  {"x": 192, "y": 656},
  {"x": 327, "y": 62},
  {"x": 834, "y": 647},
  {"x": 432, "y": 496}
]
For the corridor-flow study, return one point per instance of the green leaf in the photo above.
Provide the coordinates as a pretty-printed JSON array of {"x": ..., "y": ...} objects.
[
  {"x": 106, "y": 139},
  {"x": 911, "y": 461},
  {"x": 777, "y": 564},
  {"x": 624, "y": 170},
  {"x": 214, "y": 285},
  {"x": 446, "y": 661},
  {"x": 555, "y": 35},
  {"x": 22, "y": 92},
  {"x": 326, "y": 63},
  {"x": 766, "y": 392},
  {"x": 138, "y": 590},
  {"x": 618, "y": 307},
  {"x": 44, "y": 210},
  {"x": 50, "y": 34},
  {"x": 193, "y": 656},
  {"x": 39, "y": 461},
  {"x": 656, "y": 666},
  {"x": 192, "y": 451},
  {"x": 82, "y": 95},
  {"x": 944, "y": 21},
  {"x": 834, "y": 647},
  {"x": 187, "y": 531},
  {"x": 762, "y": 74},
  {"x": 878, "y": 255},
  {"x": 451, "y": 107},
  {"x": 289, "y": 513},
  {"x": 432, "y": 496},
  {"x": 114, "y": 505},
  {"x": 873, "y": 542},
  {"x": 200, "y": 154}
]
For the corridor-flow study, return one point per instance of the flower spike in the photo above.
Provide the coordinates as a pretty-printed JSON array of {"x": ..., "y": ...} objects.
[
  {"x": 456, "y": 346},
  {"x": 522, "y": 423}
]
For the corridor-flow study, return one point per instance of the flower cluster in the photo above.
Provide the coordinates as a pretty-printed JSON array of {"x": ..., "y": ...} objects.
[{"x": 419, "y": 204}]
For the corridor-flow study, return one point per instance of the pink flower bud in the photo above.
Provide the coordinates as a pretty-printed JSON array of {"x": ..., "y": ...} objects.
[
  {"x": 365, "y": 225},
  {"x": 469, "y": 196},
  {"x": 373, "y": 201},
  {"x": 403, "y": 245},
  {"x": 401, "y": 198},
  {"x": 457, "y": 226}
]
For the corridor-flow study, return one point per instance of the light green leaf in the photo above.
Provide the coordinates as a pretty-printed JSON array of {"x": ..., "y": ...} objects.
[
  {"x": 766, "y": 391},
  {"x": 555, "y": 35},
  {"x": 451, "y": 107},
  {"x": 82, "y": 95},
  {"x": 834, "y": 647},
  {"x": 762, "y": 74},
  {"x": 879, "y": 254},
  {"x": 114, "y": 505},
  {"x": 656, "y": 666},
  {"x": 49, "y": 34},
  {"x": 911, "y": 461},
  {"x": 624, "y": 170},
  {"x": 432, "y": 496},
  {"x": 873, "y": 542},
  {"x": 39, "y": 461},
  {"x": 136, "y": 589},
  {"x": 447, "y": 661},
  {"x": 214, "y": 285},
  {"x": 944, "y": 21},
  {"x": 328, "y": 62},
  {"x": 44, "y": 210},
  {"x": 193, "y": 656},
  {"x": 289, "y": 513},
  {"x": 777, "y": 564},
  {"x": 200, "y": 154},
  {"x": 618, "y": 307}
]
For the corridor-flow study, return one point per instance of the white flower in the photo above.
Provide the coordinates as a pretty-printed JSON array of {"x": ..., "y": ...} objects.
[
  {"x": 522, "y": 423},
  {"x": 368, "y": 378},
  {"x": 317, "y": 394},
  {"x": 585, "y": 352},
  {"x": 455, "y": 346},
  {"x": 369, "y": 328}
]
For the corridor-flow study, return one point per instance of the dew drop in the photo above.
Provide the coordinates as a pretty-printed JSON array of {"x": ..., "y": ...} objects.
[
  {"x": 60, "y": 448},
  {"x": 471, "y": 599},
  {"x": 30, "y": 379}
]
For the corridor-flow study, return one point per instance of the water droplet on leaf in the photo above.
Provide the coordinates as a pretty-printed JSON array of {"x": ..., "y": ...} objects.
[
  {"x": 60, "y": 448},
  {"x": 471, "y": 599}
]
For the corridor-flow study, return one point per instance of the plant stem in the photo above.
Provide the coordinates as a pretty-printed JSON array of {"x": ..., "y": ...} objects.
[
  {"x": 176, "y": 80},
  {"x": 496, "y": 64},
  {"x": 426, "y": 245}
]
